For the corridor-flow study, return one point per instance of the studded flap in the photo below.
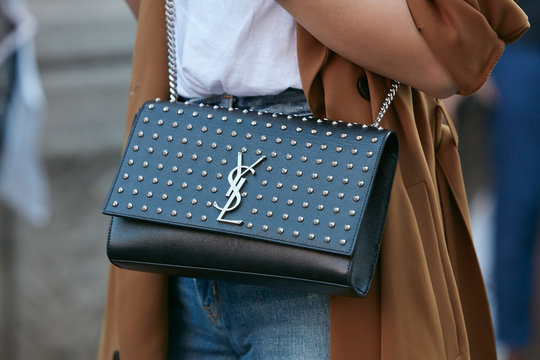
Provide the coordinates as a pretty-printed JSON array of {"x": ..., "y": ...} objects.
[{"x": 285, "y": 179}]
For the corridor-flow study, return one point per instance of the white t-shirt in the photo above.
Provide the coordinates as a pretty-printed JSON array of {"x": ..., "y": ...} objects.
[{"x": 239, "y": 47}]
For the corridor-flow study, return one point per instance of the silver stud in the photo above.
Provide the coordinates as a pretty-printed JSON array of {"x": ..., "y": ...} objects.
[
  {"x": 189, "y": 171},
  {"x": 374, "y": 139},
  {"x": 296, "y": 233},
  {"x": 195, "y": 114},
  {"x": 324, "y": 147},
  {"x": 269, "y": 213},
  {"x": 313, "y": 131},
  {"x": 311, "y": 236},
  {"x": 360, "y": 183},
  {"x": 199, "y": 143},
  {"x": 329, "y": 178},
  {"x": 224, "y": 118},
  {"x": 159, "y": 210},
  {"x": 278, "y": 140},
  {"x": 334, "y": 163},
  {"x": 209, "y": 159},
  {"x": 319, "y": 161},
  {"x": 290, "y": 202},
  {"x": 203, "y": 218},
  {"x": 343, "y": 136},
  {"x": 331, "y": 225},
  {"x": 273, "y": 154},
  {"x": 160, "y": 167},
  {"x": 136, "y": 148},
  {"x": 347, "y": 227},
  {"x": 140, "y": 178},
  {"x": 219, "y": 176},
  {"x": 253, "y": 123},
  {"x": 342, "y": 242},
  {"x": 184, "y": 185},
  {"x": 303, "y": 158},
  {"x": 129, "y": 205},
  {"x": 269, "y": 168},
  {"x": 339, "y": 149},
  {"x": 345, "y": 180},
  {"x": 283, "y": 127},
  {"x": 145, "y": 120},
  {"x": 219, "y": 131},
  {"x": 293, "y": 142},
  {"x": 258, "y": 152},
  {"x": 369, "y": 154},
  {"x": 160, "y": 122},
  {"x": 285, "y": 216},
  {"x": 354, "y": 151},
  {"x": 249, "y": 225},
  {"x": 174, "y": 169},
  {"x": 274, "y": 199},
  {"x": 300, "y": 219},
  {"x": 310, "y": 190},
  {"x": 193, "y": 201},
  {"x": 305, "y": 204},
  {"x": 189, "y": 215},
  {"x": 184, "y": 141},
  {"x": 320, "y": 207},
  {"x": 254, "y": 211},
  {"x": 365, "y": 168},
  {"x": 115, "y": 203},
  {"x": 144, "y": 208},
  {"x": 352, "y": 212},
  {"x": 174, "y": 213},
  {"x": 228, "y": 147},
  {"x": 264, "y": 228},
  {"x": 264, "y": 182},
  {"x": 145, "y": 164},
  {"x": 259, "y": 197},
  {"x": 151, "y": 106},
  {"x": 120, "y": 189},
  {"x": 164, "y": 197},
  {"x": 298, "y": 129},
  {"x": 314, "y": 176},
  {"x": 149, "y": 194},
  {"x": 244, "y": 194},
  {"x": 204, "y": 173},
  {"x": 155, "y": 180},
  {"x": 280, "y": 230},
  {"x": 178, "y": 199},
  {"x": 233, "y": 133},
  {"x": 209, "y": 116},
  {"x": 199, "y": 187},
  {"x": 263, "y": 138},
  {"x": 175, "y": 124},
  {"x": 325, "y": 192},
  {"x": 327, "y": 239},
  {"x": 155, "y": 136},
  {"x": 341, "y": 195},
  {"x": 140, "y": 134},
  {"x": 279, "y": 185},
  {"x": 294, "y": 187},
  {"x": 214, "y": 190},
  {"x": 131, "y": 162},
  {"x": 316, "y": 222},
  {"x": 180, "y": 111},
  {"x": 194, "y": 157},
  {"x": 165, "y": 109},
  {"x": 208, "y": 204},
  {"x": 213, "y": 146},
  {"x": 239, "y": 121},
  {"x": 268, "y": 125},
  {"x": 249, "y": 136},
  {"x": 165, "y": 152},
  {"x": 299, "y": 173},
  {"x": 356, "y": 198},
  {"x": 179, "y": 155},
  {"x": 350, "y": 166},
  {"x": 335, "y": 210},
  {"x": 308, "y": 145},
  {"x": 358, "y": 137},
  {"x": 135, "y": 192},
  {"x": 125, "y": 176}
]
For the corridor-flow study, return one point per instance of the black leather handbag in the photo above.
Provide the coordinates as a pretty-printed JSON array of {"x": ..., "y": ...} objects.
[{"x": 252, "y": 197}]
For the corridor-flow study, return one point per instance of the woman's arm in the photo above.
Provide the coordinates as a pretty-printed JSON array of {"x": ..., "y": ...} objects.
[
  {"x": 379, "y": 35},
  {"x": 134, "y": 6}
]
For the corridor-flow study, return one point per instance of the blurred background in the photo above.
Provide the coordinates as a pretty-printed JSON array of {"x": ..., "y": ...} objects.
[{"x": 59, "y": 158}]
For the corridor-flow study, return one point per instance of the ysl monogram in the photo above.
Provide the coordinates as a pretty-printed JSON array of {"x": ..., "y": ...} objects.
[{"x": 236, "y": 180}]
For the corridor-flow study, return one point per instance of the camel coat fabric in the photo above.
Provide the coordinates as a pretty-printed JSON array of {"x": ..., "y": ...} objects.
[{"x": 428, "y": 299}]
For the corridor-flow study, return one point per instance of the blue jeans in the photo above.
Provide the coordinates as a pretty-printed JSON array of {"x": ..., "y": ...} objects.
[{"x": 219, "y": 320}]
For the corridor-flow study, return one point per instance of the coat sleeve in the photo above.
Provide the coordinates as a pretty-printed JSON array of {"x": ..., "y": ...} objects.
[{"x": 468, "y": 36}]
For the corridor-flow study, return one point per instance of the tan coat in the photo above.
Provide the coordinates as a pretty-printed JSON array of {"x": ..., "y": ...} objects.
[{"x": 428, "y": 299}]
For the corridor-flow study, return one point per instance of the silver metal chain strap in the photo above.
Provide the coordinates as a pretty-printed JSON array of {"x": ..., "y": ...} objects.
[{"x": 170, "y": 16}]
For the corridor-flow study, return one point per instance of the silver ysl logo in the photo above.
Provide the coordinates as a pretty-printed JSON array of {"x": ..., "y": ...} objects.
[{"x": 236, "y": 180}]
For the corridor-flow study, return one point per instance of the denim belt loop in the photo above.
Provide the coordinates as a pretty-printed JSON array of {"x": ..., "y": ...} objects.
[{"x": 227, "y": 101}]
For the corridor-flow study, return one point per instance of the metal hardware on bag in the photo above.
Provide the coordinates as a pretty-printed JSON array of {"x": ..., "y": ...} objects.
[{"x": 236, "y": 180}]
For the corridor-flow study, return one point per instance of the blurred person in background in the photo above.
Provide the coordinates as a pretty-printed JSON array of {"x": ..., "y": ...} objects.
[{"x": 516, "y": 169}]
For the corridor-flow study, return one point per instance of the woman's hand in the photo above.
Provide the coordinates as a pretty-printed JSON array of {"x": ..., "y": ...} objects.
[{"x": 379, "y": 35}]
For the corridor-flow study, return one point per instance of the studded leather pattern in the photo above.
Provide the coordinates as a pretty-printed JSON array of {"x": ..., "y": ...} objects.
[{"x": 286, "y": 179}]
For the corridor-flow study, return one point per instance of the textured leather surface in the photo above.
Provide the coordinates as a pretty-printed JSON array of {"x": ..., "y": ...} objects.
[{"x": 300, "y": 186}]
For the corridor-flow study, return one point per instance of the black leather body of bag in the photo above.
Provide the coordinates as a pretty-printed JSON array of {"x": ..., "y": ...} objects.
[{"x": 252, "y": 197}]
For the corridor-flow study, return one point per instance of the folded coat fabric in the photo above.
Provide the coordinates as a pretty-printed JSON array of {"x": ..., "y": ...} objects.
[{"x": 428, "y": 299}]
